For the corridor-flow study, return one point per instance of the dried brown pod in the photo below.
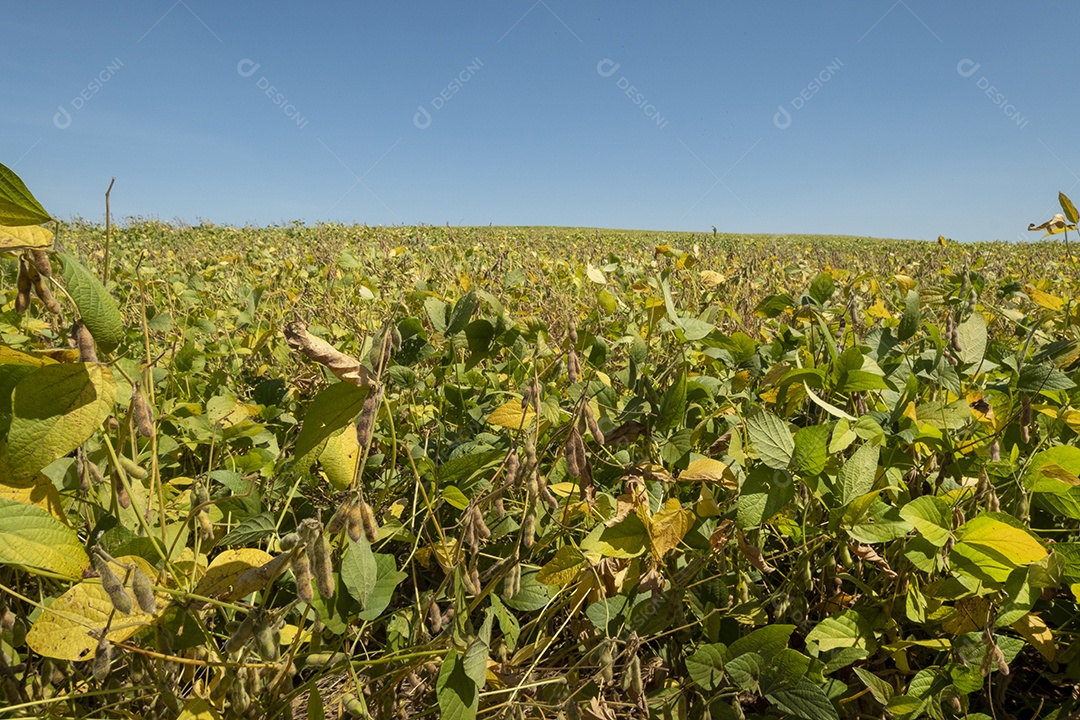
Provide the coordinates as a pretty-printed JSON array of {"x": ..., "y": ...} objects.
[
  {"x": 573, "y": 366},
  {"x": 367, "y": 517},
  {"x": 243, "y": 633},
  {"x": 434, "y": 618},
  {"x": 41, "y": 289},
  {"x": 338, "y": 519},
  {"x": 512, "y": 581},
  {"x": 1025, "y": 417},
  {"x": 144, "y": 591},
  {"x": 365, "y": 424},
  {"x": 347, "y": 369},
  {"x": 594, "y": 428},
  {"x": 95, "y": 473},
  {"x": 467, "y": 581},
  {"x": 144, "y": 414},
  {"x": 85, "y": 342},
  {"x": 474, "y": 579},
  {"x": 513, "y": 465},
  {"x": 625, "y": 434},
  {"x": 500, "y": 507},
  {"x": 111, "y": 583},
  {"x": 102, "y": 660},
  {"x": 355, "y": 522},
  {"x": 23, "y": 285},
  {"x": 574, "y": 450},
  {"x": 572, "y": 334},
  {"x": 324, "y": 569},
  {"x": 301, "y": 568},
  {"x": 528, "y": 528},
  {"x": 41, "y": 262}
]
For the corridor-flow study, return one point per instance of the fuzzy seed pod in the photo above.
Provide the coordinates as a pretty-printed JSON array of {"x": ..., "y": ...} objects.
[
  {"x": 574, "y": 450},
  {"x": 289, "y": 541},
  {"x": 122, "y": 497},
  {"x": 144, "y": 591},
  {"x": 199, "y": 495},
  {"x": 355, "y": 521},
  {"x": 206, "y": 528},
  {"x": 337, "y": 521},
  {"x": 239, "y": 699},
  {"x": 102, "y": 660},
  {"x": 467, "y": 583},
  {"x": 367, "y": 517},
  {"x": 995, "y": 450},
  {"x": 243, "y": 633},
  {"x": 512, "y": 467},
  {"x": 1025, "y": 417},
  {"x": 41, "y": 262},
  {"x": 365, "y": 424},
  {"x": 500, "y": 508},
  {"x": 132, "y": 468},
  {"x": 607, "y": 659},
  {"x": 85, "y": 342},
  {"x": 111, "y": 584},
  {"x": 144, "y": 414},
  {"x": 45, "y": 295},
  {"x": 999, "y": 658},
  {"x": 512, "y": 581},
  {"x": 224, "y": 683},
  {"x": 474, "y": 579},
  {"x": 973, "y": 298},
  {"x": 324, "y": 578},
  {"x": 590, "y": 420},
  {"x": 634, "y": 685},
  {"x": 265, "y": 643},
  {"x": 95, "y": 473},
  {"x": 528, "y": 529},
  {"x": 434, "y": 618},
  {"x": 573, "y": 366},
  {"x": 572, "y": 332},
  {"x": 23, "y": 284},
  {"x": 352, "y": 704},
  {"x": 301, "y": 568},
  {"x": 7, "y": 619}
]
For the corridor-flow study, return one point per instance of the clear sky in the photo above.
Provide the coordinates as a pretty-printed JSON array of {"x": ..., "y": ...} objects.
[{"x": 889, "y": 118}]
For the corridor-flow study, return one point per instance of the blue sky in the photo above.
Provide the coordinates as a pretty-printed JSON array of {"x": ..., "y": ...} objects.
[{"x": 887, "y": 118}]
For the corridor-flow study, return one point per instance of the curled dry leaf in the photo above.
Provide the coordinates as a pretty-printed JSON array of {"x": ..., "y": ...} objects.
[
  {"x": 347, "y": 369},
  {"x": 753, "y": 554},
  {"x": 869, "y": 554}
]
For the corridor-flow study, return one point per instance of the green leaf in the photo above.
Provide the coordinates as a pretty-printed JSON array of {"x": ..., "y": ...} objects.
[
  {"x": 462, "y": 313},
  {"x": 931, "y": 516},
  {"x": 511, "y": 628},
  {"x": 359, "y": 571},
  {"x": 608, "y": 614},
  {"x": 18, "y": 206},
  {"x": 459, "y": 470},
  {"x": 332, "y": 409},
  {"x": 857, "y": 474},
  {"x": 811, "y": 450},
  {"x": 458, "y": 695},
  {"x": 386, "y": 581},
  {"x": 846, "y": 629},
  {"x": 804, "y": 699},
  {"x": 771, "y": 438},
  {"x": 763, "y": 494},
  {"x": 822, "y": 287},
  {"x": 972, "y": 336},
  {"x": 745, "y": 670},
  {"x": 97, "y": 309},
  {"x": 765, "y": 642},
  {"x": 315, "y": 709},
  {"x": 251, "y": 530},
  {"x": 31, "y": 537},
  {"x": 1068, "y": 208},
  {"x": 673, "y": 406},
  {"x": 706, "y": 666},
  {"x": 475, "y": 662},
  {"x": 909, "y": 323},
  {"x": 1036, "y": 377},
  {"x": 882, "y": 691},
  {"x": 54, "y": 410}
]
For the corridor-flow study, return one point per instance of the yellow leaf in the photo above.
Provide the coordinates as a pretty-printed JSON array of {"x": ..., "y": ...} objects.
[
  {"x": 511, "y": 415},
  {"x": 667, "y": 527},
  {"x": 37, "y": 490},
  {"x": 199, "y": 709},
  {"x": 444, "y": 552},
  {"x": 338, "y": 458},
  {"x": 711, "y": 278},
  {"x": 27, "y": 236},
  {"x": 63, "y": 631},
  {"x": 708, "y": 470},
  {"x": 227, "y": 567},
  {"x": 905, "y": 283},
  {"x": 878, "y": 310},
  {"x": 596, "y": 274},
  {"x": 909, "y": 413},
  {"x": 562, "y": 569},
  {"x": 1035, "y": 631},
  {"x": 967, "y": 615},
  {"x": 1043, "y": 299},
  {"x": 466, "y": 282}
]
